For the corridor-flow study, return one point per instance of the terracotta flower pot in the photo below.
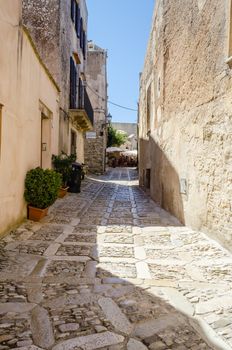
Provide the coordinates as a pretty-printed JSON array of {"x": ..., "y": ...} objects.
[
  {"x": 62, "y": 192},
  {"x": 36, "y": 214}
]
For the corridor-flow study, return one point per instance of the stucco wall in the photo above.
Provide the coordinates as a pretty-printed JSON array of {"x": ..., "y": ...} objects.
[
  {"x": 96, "y": 74},
  {"x": 80, "y": 147},
  {"x": 190, "y": 134},
  {"x": 24, "y": 87}
]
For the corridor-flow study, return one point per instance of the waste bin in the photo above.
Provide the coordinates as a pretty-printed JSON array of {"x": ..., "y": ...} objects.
[{"x": 75, "y": 178}]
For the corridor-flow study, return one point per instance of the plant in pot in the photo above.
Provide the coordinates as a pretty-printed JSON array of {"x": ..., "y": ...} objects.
[
  {"x": 63, "y": 165},
  {"x": 41, "y": 189}
]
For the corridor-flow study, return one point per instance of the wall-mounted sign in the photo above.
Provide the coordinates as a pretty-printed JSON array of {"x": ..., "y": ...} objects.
[
  {"x": 91, "y": 135},
  {"x": 44, "y": 147}
]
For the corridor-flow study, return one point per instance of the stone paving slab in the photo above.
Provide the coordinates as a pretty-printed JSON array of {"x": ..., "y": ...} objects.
[
  {"x": 91, "y": 342},
  {"x": 109, "y": 269}
]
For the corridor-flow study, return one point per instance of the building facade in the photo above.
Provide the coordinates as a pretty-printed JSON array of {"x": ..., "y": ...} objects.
[
  {"x": 96, "y": 76},
  {"x": 29, "y": 113},
  {"x": 185, "y": 114},
  {"x": 131, "y": 129},
  {"x": 59, "y": 30}
]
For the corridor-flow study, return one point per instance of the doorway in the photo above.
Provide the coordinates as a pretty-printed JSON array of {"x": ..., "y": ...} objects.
[
  {"x": 73, "y": 148},
  {"x": 148, "y": 179},
  {"x": 45, "y": 159}
]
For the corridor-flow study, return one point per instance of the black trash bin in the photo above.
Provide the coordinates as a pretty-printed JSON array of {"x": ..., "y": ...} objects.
[{"x": 75, "y": 178}]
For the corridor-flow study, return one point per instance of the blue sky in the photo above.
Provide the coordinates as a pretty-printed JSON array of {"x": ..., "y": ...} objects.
[{"x": 122, "y": 27}]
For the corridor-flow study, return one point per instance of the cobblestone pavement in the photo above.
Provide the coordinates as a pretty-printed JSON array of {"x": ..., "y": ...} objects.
[{"x": 108, "y": 269}]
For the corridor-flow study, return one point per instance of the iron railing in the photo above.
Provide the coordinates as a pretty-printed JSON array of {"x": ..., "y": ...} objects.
[
  {"x": 88, "y": 106},
  {"x": 84, "y": 102}
]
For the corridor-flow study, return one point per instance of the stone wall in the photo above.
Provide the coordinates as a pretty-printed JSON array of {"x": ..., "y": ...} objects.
[
  {"x": 53, "y": 32},
  {"x": 95, "y": 150},
  {"x": 96, "y": 73},
  {"x": 187, "y": 118}
]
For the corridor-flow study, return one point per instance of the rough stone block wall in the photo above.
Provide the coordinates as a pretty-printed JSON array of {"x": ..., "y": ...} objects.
[
  {"x": 42, "y": 20},
  {"x": 191, "y": 123},
  {"x": 53, "y": 33},
  {"x": 95, "y": 150},
  {"x": 96, "y": 72}
]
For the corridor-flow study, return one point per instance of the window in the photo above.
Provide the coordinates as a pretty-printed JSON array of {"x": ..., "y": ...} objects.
[
  {"x": 84, "y": 45},
  {"x": 73, "y": 10},
  {"x": 81, "y": 33},
  {"x": 80, "y": 94},
  {"x": 78, "y": 20},
  {"x": 73, "y": 84},
  {"x": 79, "y": 27},
  {"x": 148, "y": 179}
]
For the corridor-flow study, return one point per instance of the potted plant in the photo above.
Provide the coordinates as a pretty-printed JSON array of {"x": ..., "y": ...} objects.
[
  {"x": 41, "y": 189},
  {"x": 63, "y": 165}
]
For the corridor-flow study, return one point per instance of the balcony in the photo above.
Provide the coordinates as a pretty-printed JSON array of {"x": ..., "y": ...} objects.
[{"x": 81, "y": 111}]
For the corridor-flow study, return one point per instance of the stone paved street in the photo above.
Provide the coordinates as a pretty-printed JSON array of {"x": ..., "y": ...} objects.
[{"x": 109, "y": 269}]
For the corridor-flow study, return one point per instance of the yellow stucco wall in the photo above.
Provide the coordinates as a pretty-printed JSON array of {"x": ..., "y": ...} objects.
[
  {"x": 25, "y": 90},
  {"x": 80, "y": 146}
]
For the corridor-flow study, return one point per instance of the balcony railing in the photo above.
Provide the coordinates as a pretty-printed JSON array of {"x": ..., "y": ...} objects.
[
  {"x": 82, "y": 111},
  {"x": 88, "y": 106},
  {"x": 84, "y": 102}
]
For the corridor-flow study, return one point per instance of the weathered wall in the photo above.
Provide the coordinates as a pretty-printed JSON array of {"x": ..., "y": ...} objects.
[
  {"x": 190, "y": 133},
  {"x": 69, "y": 44},
  {"x": 80, "y": 146},
  {"x": 130, "y": 129},
  {"x": 53, "y": 32},
  {"x": 96, "y": 73},
  {"x": 25, "y": 90}
]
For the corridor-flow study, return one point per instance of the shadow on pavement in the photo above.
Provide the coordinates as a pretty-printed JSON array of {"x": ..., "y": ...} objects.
[
  {"x": 164, "y": 179},
  {"x": 90, "y": 276}
]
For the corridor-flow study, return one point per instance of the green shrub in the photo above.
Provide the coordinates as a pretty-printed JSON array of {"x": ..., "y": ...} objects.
[
  {"x": 63, "y": 165},
  {"x": 41, "y": 187}
]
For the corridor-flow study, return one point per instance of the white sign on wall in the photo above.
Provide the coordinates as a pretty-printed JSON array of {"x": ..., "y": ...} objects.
[{"x": 91, "y": 135}]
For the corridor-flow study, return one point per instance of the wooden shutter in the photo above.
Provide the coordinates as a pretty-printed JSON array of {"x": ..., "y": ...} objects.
[
  {"x": 73, "y": 84},
  {"x": 80, "y": 95},
  {"x": 73, "y": 10},
  {"x": 84, "y": 44},
  {"x": 77, "y": 20},
  {"x": 81, "y": 33}
]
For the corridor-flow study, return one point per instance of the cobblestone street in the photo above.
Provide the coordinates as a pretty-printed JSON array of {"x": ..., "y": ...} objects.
[{"x": 109, "y": 269}]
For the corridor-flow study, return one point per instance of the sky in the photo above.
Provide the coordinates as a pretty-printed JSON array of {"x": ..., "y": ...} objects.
[{"x": 122, "y": 27}]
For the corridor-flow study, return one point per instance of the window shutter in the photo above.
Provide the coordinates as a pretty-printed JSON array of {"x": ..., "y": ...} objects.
[
  {"x": 77, "y": 20},
  {"x": 81, "y": 33},
  {"x": 84, "y": 44},
  {"x": 80, "y": 94},
  {"x": 73, "y": 84},
  {"x": 73, "y": 10}
]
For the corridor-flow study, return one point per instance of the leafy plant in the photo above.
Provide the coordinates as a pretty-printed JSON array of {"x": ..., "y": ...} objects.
[
  {"x": 63, "y": 165},
  {"x": 115, "y": 137},
  {"x": 41, "y": 187}
]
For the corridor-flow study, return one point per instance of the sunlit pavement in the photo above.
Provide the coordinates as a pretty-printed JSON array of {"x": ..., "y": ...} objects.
[{"x": 109, "y": 269}]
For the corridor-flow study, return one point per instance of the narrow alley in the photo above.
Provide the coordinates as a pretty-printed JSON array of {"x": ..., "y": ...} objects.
[{"x": 109, "y": 269}]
